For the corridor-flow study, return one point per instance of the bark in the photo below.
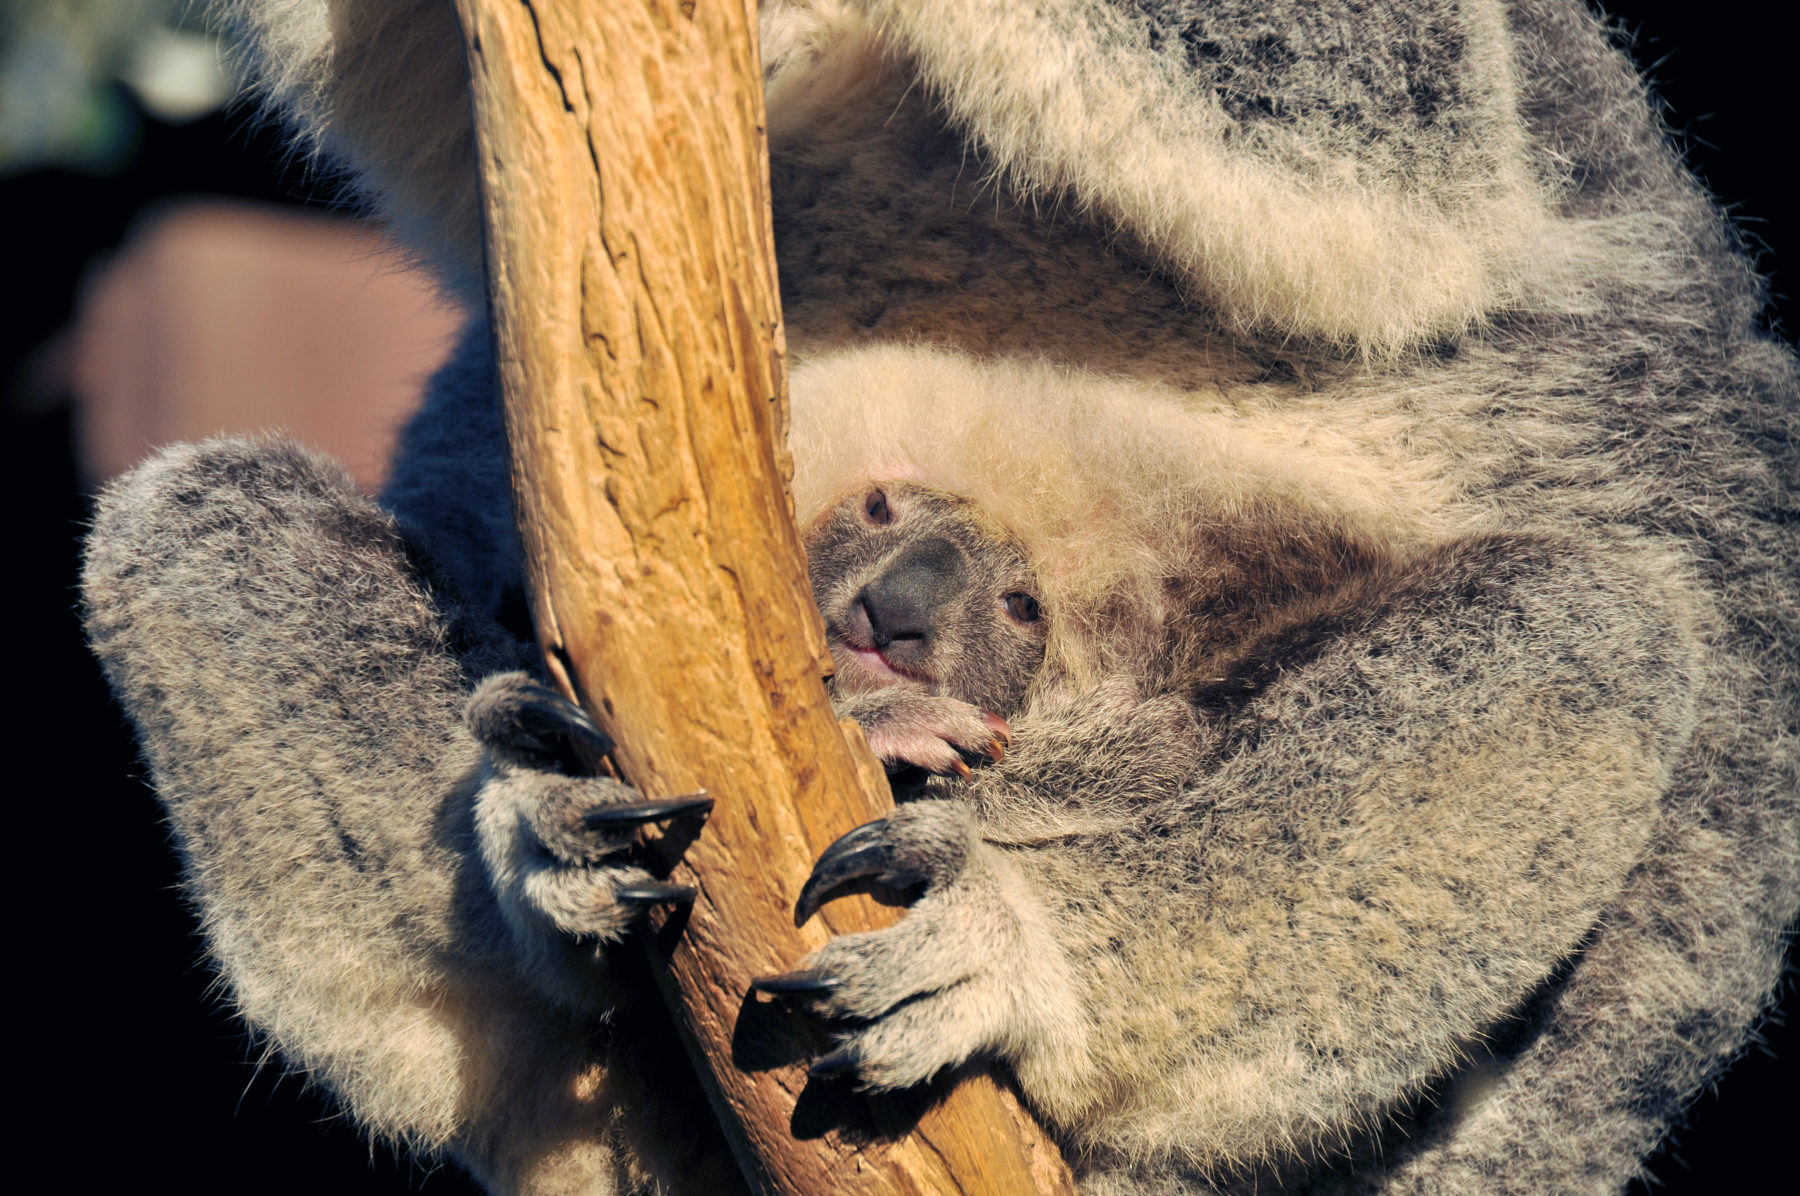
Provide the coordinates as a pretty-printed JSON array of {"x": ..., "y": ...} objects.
[{"x": 632, "y": 277}]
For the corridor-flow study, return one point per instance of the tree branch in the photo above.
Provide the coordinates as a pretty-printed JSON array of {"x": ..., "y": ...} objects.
[{"x": 631, "y": 267}]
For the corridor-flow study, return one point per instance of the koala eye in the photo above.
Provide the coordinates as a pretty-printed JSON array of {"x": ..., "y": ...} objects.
[
  {"x": 1023, "y": 607},
  {"x": 875, "y": 506}
]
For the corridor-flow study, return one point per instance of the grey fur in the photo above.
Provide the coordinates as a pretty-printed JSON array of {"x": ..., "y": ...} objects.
[
  {"x": 1405, "y": 799},
  {"x": 947, "y": 618}
]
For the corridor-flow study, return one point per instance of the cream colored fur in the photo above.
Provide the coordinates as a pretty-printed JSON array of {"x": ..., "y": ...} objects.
[
  {"x": 381, "y": 89},
  {"x": 1281, "y": 232},
  {"x": 1103, "y": 480},
  {"x": 1408, "y": 803}
]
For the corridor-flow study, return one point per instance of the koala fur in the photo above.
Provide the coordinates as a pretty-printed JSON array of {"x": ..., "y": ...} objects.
[{"x": 1405, "y": 798}]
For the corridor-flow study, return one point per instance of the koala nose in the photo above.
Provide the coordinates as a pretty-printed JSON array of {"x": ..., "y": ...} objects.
[{"x": 905, "y": 601}]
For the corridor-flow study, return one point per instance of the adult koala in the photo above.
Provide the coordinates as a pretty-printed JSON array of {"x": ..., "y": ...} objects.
[{"x": 1468, "y": 883}]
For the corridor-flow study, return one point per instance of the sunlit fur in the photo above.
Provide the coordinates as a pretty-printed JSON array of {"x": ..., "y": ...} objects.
[{"x": 1407, "y": 799}]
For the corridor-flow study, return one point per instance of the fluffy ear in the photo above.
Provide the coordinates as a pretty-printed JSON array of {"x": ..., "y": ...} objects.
[
  {"x": 379, "y": 89},
  {"x": 1358, "y": 176}
]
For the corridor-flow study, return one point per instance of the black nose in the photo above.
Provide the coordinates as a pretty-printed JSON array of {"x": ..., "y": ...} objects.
[{"x": 906, "y": 601}]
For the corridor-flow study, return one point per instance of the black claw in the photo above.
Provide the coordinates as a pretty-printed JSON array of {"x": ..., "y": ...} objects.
[
  {"x": 841, "y": 1062},
  {"x": 637, "y": 813},
  {"x": 545, "y": 719},
  {"x": 655, "y": 892},
  {"x": 862, "y": 852},
  {"x": 804, "y": 983}
]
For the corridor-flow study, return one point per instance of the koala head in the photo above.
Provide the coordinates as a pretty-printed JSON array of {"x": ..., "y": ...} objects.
[{"x": 917, "y": 586}]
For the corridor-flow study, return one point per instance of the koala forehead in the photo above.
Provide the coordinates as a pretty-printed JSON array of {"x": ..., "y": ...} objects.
[{"x": 868, "y": 523}]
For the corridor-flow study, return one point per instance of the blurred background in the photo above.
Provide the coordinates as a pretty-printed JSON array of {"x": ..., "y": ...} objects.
[{"x": 183, "y": 274}]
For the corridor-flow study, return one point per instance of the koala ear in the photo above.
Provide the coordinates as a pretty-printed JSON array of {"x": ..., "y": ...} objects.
[
  {"x": 379, "y": 90},
  {"x": 1364, "y": 187}
]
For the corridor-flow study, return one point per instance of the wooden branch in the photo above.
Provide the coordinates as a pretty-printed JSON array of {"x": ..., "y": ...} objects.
[{"x": 631, "y": 268}]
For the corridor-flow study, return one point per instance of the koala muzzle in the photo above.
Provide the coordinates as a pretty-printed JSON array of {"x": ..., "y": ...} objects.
[{"x": 904, "y": 603}]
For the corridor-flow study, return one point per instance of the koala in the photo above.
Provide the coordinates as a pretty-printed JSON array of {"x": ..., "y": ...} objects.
[
  {"x": 1304, "y": 508},
  {"x": 934, "y": 627}
]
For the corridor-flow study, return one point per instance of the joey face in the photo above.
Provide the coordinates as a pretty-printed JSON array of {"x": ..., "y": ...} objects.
[{"x": 916, "y": 587}]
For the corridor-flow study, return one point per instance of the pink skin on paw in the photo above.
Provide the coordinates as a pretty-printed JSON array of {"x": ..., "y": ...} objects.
[
  {"x": 921, "y": 730},
  {"x": 920, "y": 749},
  {"x": 936, "y": 733}
]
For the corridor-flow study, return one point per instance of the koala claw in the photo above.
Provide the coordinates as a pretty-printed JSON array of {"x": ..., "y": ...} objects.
[
  {"x": 951, "y": 980},
  {"x": 654, "y": 892},
  {"x": 864, "y": 851},
  {"x": 544, "y": 710},
  {"x": 626, "y": 814},
  {"x": 920, "y": 843},
  {"x": 802, "y": 983},
  {"x": 533, "y": 726},
  {"x": 846, "y": 1060}
]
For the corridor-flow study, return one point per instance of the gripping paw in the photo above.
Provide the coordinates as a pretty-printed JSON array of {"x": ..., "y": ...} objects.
[
  {"x": 968, "y": 971},
  {"x": 557, "y": 840},
  {"x": 908, "y": 728}
]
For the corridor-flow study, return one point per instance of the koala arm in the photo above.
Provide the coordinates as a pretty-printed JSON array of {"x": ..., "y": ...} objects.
[
  {"x": 1393, "y": 845},
  {"x": 299, "y": 697},
  {"x": 1311, "y": 901}
]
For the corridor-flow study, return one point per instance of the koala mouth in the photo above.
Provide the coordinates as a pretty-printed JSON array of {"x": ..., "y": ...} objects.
[{"x": 867, "y": 668}]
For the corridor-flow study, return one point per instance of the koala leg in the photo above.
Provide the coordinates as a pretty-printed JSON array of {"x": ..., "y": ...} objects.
[
  {"x": 299, "y": 691},
  {"x": 979, "y": 966},
  {"x": 556, "y": 841},
  {"x": 1404, "y": 843},
  {"x": 971, "y": 969}
]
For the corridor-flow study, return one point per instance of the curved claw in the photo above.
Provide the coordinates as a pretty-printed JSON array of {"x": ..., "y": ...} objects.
[
  {"x": 627, "y": 814},
  {"x": 544, "y": 715},
  {"x": 862, "y": 852},
  {"x": 1003, "y": 733},
  {"x": 654, "y": 892},
  {"x": 804, "y": 983},
  {"x": 840, "y": 1062}
]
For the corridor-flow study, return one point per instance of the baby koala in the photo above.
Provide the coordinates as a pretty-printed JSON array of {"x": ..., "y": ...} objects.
[
  {"x": 936, "y": 633},
  {"x": 934, "y": 624}
]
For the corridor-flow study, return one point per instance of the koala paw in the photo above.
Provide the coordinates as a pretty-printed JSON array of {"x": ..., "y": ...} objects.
[
  {"x": 968, "y": 971},
  {"x": 556, "y": 839},
  {"x": 908, "y": 728}
]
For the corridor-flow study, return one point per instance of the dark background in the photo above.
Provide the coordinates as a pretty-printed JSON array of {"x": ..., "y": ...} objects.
[{"x": 132, "y": 1043}]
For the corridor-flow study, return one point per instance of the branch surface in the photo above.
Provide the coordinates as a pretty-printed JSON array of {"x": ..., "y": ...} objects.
[{"x": 631, "y": 265}]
